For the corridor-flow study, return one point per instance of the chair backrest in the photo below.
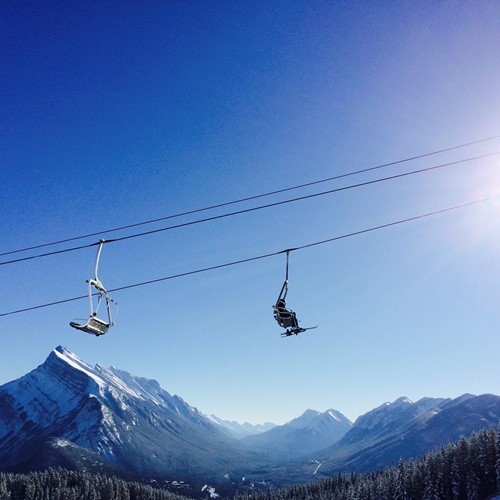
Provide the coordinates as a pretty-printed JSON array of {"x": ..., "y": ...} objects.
[
  {"x": 98, "y": 326},
  {"x": 94, "y": 325},
  {"x": 284, "y": 317}
]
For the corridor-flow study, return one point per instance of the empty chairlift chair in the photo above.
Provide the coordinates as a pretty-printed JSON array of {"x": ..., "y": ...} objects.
[{"x": 95, "y": 325}]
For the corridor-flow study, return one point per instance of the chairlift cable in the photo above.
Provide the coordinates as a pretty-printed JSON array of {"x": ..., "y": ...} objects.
[
  {"x": 248, "y": 198},
  {"x": 264, "y": 256},
  {"x": 254, "y": 209}
]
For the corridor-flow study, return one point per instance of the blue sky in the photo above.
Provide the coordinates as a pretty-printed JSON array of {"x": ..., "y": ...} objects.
[{"x": 119, "y": 112}]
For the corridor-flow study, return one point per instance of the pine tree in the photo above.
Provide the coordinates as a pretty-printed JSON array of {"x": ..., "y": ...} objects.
[
  {"x": 487, "y": 461},
  {"x": 472, "y": 486},
  {"x": 401, "y": 492},
  {"x": 457, "y": 485}
]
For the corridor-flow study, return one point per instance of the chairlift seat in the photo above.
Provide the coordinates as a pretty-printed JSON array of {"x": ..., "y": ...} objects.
[
  {"x": 285, "y": 317},
  {"x": 94, "y": 326}
]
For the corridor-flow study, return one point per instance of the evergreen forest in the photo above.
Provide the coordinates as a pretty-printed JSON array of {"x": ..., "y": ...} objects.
[{"x": 61, "y": 484}]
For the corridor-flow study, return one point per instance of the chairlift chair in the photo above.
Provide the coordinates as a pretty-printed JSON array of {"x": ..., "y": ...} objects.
[
  {"x": 95, "y": 325},
  {"x": 285, "y": 317}
]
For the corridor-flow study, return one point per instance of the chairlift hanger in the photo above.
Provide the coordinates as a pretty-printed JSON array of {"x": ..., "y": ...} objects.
[
  {"x": 95, "y": 325},
  {"x": 285, "y": 317}
]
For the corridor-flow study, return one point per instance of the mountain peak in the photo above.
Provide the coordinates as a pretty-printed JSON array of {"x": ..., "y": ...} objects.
[
  {"x": 310, "y": 412},
  {"x": 388, "y": 406},
  {"x": 66, "y": 355},
  {"x": 403, "y": 400},
  {"x": 336, "y": 415},
  {"x": 305, "y": 419},
  {"x": 61, "y": 354}
]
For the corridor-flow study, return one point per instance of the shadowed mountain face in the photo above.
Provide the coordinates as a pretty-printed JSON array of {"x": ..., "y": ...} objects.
[
  {"x": 404, "y": 429},
  {"x": 110, "y": 417}
]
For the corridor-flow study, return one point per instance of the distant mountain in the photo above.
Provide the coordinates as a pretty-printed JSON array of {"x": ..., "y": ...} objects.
[
  {"x": 239, "y": 431},
  {"x": 66, "y": 412},
  {"x": 312, "y": 431},
  {"x": 404, "y": 429}
]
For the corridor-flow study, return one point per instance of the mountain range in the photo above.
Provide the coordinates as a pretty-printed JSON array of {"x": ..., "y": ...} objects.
[
  {"x": 68, "y": 413},
  {"x": 398, "y": 430},
  {"x": 404, "y": 429},
  {"x": 239, "y": 431}
]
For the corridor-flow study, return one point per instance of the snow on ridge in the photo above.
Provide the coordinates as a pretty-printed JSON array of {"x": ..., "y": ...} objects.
[
  {"x": 75, "y": 362},
  {"x": 107, "y": 377},
  {"x": 138, "y": 387},
  {"x": 335, "y": 417},
  {"x": 214, "y": 419},
  {"x": 398, "y": 402},
  {"x": 402, "y": 401},
  {"x": 113, "y": 379}
]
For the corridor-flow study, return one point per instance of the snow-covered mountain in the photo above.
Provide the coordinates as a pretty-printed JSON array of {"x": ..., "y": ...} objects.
[
  {"x": 239, "y": 431},
  {"x": 312, "y": 431},
  {"x": 405, "y": 429},
  {"x": 65, "y": 410},
  {"x": 390, "y": 417}
]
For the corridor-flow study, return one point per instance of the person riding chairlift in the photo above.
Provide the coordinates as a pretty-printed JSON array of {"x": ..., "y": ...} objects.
[{"x": 285, "y": 317}]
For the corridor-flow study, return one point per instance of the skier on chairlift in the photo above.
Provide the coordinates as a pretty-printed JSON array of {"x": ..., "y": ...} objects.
[{"x": 285, "y": 317}]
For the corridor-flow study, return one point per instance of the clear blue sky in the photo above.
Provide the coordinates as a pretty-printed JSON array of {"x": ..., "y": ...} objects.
[{"x": 118, "y": 112}]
